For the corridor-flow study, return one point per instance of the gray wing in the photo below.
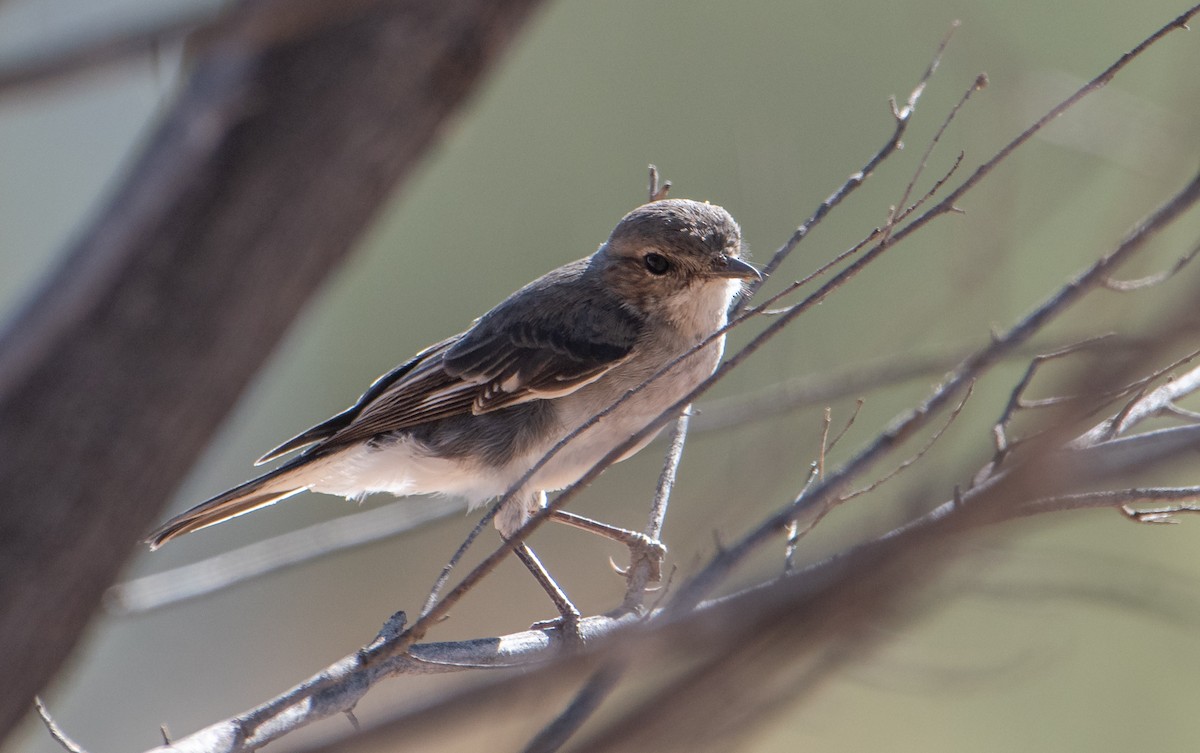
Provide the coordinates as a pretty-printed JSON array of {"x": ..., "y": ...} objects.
[
  {"x": 421, "y": 372},
  {"x": 546, "y": 340}
]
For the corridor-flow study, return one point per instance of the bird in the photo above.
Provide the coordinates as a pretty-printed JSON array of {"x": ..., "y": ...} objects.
[{"x": 470, "y": 415}]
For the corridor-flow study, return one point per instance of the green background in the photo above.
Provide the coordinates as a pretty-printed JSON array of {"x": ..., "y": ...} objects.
[{"x": 1077, "y": 634}]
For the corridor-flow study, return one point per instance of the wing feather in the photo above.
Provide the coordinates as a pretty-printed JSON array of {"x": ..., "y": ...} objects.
[{"x": 547, "y": 340}]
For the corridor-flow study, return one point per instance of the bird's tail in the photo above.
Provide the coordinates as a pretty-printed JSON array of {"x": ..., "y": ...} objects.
[{"x": 269, "y": 488}]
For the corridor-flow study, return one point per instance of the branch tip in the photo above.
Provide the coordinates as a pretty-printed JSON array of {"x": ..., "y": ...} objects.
[{"x": 56, "y": 732}]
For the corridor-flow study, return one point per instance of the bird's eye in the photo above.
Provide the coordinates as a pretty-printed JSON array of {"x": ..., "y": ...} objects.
[{"x": 656, "y": 263}]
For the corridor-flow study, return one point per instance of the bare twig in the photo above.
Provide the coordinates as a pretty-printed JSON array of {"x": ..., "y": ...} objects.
[
  {"x": 816, "y": 389},
  {"x": 1126, "y": 286},
  {"x": 856, "y": 249},
  {"x": 1142, "y": 387},
  {"x": 56, "y": 732},
  {"x": 801, "y": 525},
  {"x": 794, "y": 532},
  {"x": 341, "y": 686},
  {"x": 826, "y": 422},
  {"x": 657, "y": 191},
  {"x": 900, "y": 209},
  {"x": 1016, "y": 397},
  {"x": 1155, "y": 403},
  {"x": 858, "y": 404},
  {"x": 643, "y": 572},
  {"x": 933, "y": 190},
  {"x": 908, "y": 462},
  {"x": 1094, "y": 458},
  {"x": 1159, "y": 515},
  {"x": 1123, "y": 500},
  {"x": 1099, "y": 82},
  {"x": 1139, "y": 388}
]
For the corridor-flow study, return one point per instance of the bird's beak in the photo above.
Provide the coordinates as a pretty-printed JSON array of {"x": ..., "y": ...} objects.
[{"x": 735, "y": 268}]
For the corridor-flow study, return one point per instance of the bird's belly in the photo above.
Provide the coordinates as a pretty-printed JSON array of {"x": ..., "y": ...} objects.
[
  {"x": 404, "y": 468},
  {"x": 579, "y": 455}
]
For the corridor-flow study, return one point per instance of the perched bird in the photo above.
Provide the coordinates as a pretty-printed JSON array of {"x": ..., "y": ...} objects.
[{"x": 470, "y": 415}]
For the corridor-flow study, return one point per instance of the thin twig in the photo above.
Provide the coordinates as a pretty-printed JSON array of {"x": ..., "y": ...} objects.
[
  {"x": 1140, "y": 389},
  {"x": 1158, "y": 515},
  {"x": 1156, "y": 402},
  {"x": 666, "y": 479},
  {"x": 937, "y": 186},
  {"x": 643, "y": 572},
  {"x": 816, "y": 389},
  {"x": 1126, "y": 286},
  {"x": 796, "y": 530},
  {"x": 444, "y": 575},
  {"x": 55, "y": 731},
  {"x": 826, "y": 421},
  {"x": 899, "y": 209},
  {"x": 857, "y": 248},
  {"x": 657, "y": 191},
  {"x": 909, "y": 462},
  {"x": 858, "y": 405},
  {"x": 1016, "y": 396},
  {"x": 793, "y": 531},
  {"x": 1122, "y": 500}
]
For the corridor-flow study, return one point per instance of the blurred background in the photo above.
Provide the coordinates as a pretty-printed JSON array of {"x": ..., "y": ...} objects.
[{"x": 1075, "y": 632}]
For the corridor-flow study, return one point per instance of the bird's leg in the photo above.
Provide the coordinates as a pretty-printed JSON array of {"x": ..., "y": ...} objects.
[
  {"x": 509, "y": 519},
  {"x": 640, "y": 545},
  {"x": 568, "y": 614}
]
